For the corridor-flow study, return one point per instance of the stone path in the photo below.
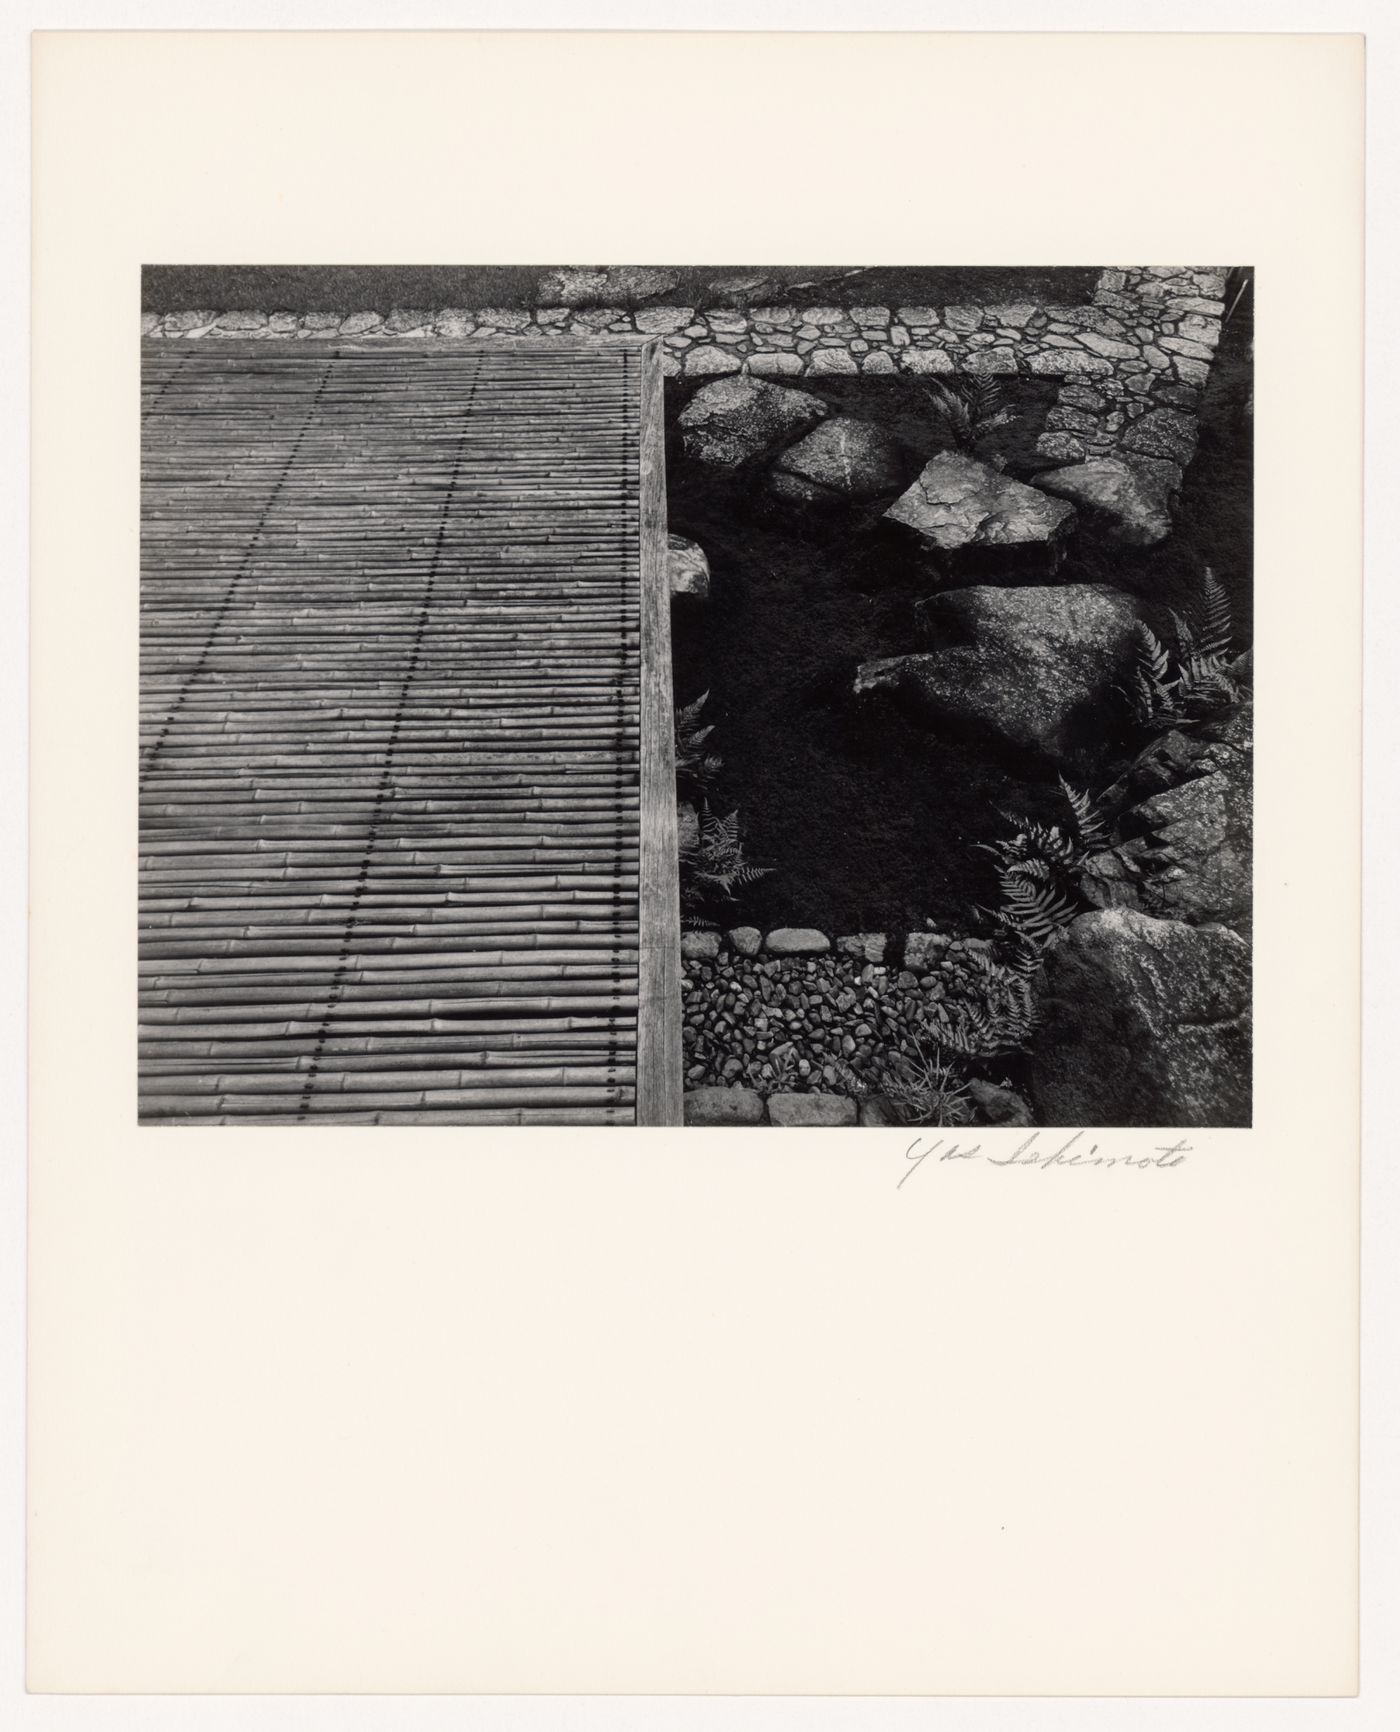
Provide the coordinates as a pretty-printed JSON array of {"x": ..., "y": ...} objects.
[{"x": 1122, "y": 334}]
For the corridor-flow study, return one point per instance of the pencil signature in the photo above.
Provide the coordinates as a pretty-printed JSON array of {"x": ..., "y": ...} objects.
[{"x": 1032, "y": 1153}]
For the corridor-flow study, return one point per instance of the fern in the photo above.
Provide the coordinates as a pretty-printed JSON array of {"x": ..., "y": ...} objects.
[
  {"x": 693, "y": 763},
  {"x": 714, "y": 864},
  {"x": 1090, "y": 821},
  {"x": 1152, "y": 695},
  {"x": 1213, "y": 626},
  {"x": 1169, "y": 690},
  {"x": 1038, "y": 871},
  {"x": 1034, "y": 912},
  {"x": 1033, "y": 841},
  {"x": 998, "y": 1018},
  {"x": 969, "y": 410}
]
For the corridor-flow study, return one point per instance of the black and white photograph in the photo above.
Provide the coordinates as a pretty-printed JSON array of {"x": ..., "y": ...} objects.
[{"x": 726, "y": 696}]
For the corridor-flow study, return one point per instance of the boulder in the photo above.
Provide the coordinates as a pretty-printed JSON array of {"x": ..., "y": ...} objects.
[
  {"x": 811, "y": 1111},
  {"x": 1143, "y": 1022},
  {"x": 957, "y": 502},
  {"x": 586, "y": 285},
  {"x": 1034, "y": 666},
  {"x": 738, "y": 420},
  {"x": 688, "y": 569},
  {"x": 1188, "y": 853},
  {"x": 699, "y": 946},
  {"x": 1194, "y": 851},
  {"x": 722, "y": 1106},
  {"x": 1109, "y": 879},
  {"x": 1131, "y": 504},
  {"x": 796, "y": 941},
  {"x": 1165, "y": 761},
  {"x": 747, "y": 940},
  {"x": 841, "y": 462}
]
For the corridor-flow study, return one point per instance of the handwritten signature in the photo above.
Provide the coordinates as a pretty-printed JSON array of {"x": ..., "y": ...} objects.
[{"x": 1032, "y": 1153}]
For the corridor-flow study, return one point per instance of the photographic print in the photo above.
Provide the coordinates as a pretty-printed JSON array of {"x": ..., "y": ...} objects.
[{"x": 731, "y": 696}]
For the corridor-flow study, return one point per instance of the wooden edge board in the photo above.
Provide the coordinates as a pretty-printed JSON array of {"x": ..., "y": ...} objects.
[{"x": 659, "y": 990}]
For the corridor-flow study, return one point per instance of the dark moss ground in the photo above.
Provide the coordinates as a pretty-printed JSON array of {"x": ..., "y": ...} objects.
[{"x": 381, "y": 288}]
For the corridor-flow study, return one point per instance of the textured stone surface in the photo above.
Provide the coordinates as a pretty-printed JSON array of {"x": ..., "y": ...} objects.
[
  {"x": 1196, "y": 859},
  {"x": 699, "y": 946},
  {"x": 723, "y": 1106},
  {"x": 688, "y": 569},
  {"x": 1143, "y": 1022},
  {"x": 958, "y": 502},
  {"x": 922, "y": 950},
  {"x": 1132, "y": 505},
  {"x": 747, "y": 940},
  {"x": 739, "y": 420},
  {"x": 1126, "y": 324},
  {"x": 790, "y": 1024},
  {"x": 1192, "y": 841},
  {"x": 868, "y": 946},
  {"x": 813, "y": 1111},
  {"x": 796, "y": 941},
  {"x": 841, "y": 461},
  {"x": 580, "y": 285},
  {"x": 1034, "y": 665},
  {"x": 999, "y": 1106},
  {"x": 1163, "y": 433}
]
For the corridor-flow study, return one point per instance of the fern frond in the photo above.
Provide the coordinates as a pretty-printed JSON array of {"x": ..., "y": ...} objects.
[
  {"x": 1040, "y": 870},
  {"x": 1185, "y": 635},
  {"x": 1214, "y": 628},
  {"x": 1154, "y": 663},
  {"x": 1090, "y": 822},
  {"x": 687, "y": 715}
]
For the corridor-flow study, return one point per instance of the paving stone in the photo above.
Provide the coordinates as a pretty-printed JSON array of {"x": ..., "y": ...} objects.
[
  {"x": 659, "y": 321},
  {"x": 722, "y": 1106},
  {"x": 811, "y": 1111},
  {"x": 796, "y": 941}
]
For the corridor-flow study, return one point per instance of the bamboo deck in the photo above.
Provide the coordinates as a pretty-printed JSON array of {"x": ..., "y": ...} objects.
[{"x": 407, "y": 794}]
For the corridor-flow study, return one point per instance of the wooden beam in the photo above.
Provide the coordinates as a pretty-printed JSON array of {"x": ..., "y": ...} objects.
[{"x": 659, "y": 988}]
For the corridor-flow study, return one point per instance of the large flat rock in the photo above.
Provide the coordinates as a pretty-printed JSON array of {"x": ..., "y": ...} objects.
[
  {"x": 1129, "y": 501},
  {"x": 738, "y": 420},
  {"x": 842, "y": 461},
  {"x": 958, "y": 502},
  {"x": 1033, "y": 666}
]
